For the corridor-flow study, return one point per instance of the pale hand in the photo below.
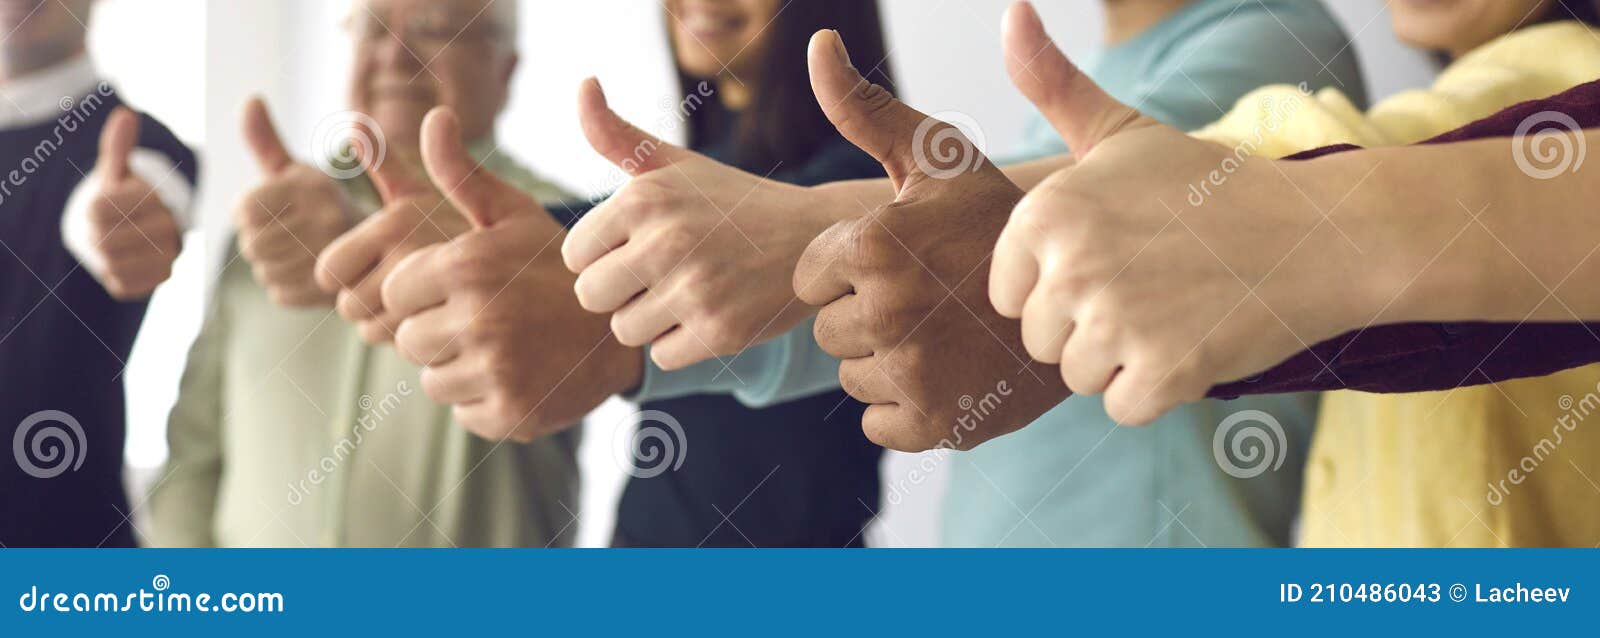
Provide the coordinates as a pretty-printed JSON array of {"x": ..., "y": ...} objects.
[
  {"x": 133, "y": 237},
  {"x": 286, "y": 221},
  {"x": 691, "y": 256},
  {"x": 1142, "y": 276},
  {"x": 414, "y": 215},
  {"x": 491, "y": 314}
]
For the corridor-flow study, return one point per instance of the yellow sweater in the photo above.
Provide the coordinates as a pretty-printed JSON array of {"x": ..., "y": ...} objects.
[{"x": 1510, "y": 464}]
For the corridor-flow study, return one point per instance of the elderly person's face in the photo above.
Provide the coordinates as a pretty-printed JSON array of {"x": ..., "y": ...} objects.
[
  {"x": 41, "y": 30},
  {"x": 413, "y": 55}
]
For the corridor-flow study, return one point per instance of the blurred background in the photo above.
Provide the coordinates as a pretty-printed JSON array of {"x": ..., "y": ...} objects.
[{"x": 205, "y": 58}]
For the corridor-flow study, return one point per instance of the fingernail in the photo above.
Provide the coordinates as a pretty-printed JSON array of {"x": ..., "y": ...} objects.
[{"x": 839, "y": 50}]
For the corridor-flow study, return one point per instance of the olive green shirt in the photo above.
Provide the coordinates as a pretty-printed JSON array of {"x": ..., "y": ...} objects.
[{"x": 290, "y": 431}]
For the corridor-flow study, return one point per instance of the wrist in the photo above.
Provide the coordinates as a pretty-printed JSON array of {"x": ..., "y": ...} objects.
[{"x": 835, "y": 202}]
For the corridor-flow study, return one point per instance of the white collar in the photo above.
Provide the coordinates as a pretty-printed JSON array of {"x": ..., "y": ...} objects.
[{"x": 38, "y": 96}]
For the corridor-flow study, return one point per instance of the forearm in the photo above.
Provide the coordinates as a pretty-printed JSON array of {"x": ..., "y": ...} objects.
[
  {"x": 1469, "y": 271},
  {"x": 1466, "y": 232}
]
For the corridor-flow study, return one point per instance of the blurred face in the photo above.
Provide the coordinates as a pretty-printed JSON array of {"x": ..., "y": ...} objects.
[
  {"x": 709, "y": 35},
  {"x": 413, "y": 55},
  {"x": 1458, "y": 26},
  {"x": 41, "y": 31}
]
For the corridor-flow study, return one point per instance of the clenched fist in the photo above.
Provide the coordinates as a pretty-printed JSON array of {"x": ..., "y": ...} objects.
[
  {"x": 491, "y": 314},
  {"x": 414, "y": 215},
  {"x": 1142, "y": 290},
  {"x": 285, "y": 222},
  {"x": 905, "y": 306},
  {"x": 133, "y": 238},
  {"x": 686, "y": 255}
]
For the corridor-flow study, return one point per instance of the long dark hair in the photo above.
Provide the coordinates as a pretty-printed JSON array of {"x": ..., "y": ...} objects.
[
  {"x": 783, "y": 122},
  {"x": 1585, "y": 11}
]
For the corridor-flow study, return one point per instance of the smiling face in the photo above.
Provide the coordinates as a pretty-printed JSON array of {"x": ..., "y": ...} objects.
[
  {"x": 714, "y": 38},
  {"x": 1458, "y": 26},
  {"x": 41, "y": 32},
  {"x": 413, "y": 55}
]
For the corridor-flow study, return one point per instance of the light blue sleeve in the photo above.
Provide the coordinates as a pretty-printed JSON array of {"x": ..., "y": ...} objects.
[
  {"x": 790, "y": 367},
  {"x": 1190, "y": 73}
]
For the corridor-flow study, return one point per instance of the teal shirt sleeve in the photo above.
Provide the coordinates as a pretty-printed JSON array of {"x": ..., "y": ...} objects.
[
  {"x": 1208, "y": 58},
  {"x": 790, "y": 367}
]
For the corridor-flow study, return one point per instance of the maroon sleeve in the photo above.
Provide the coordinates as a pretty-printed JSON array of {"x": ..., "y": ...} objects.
[{"x": 1433, "y": 356}]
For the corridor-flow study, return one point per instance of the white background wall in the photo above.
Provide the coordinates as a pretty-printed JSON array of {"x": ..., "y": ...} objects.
[{"x": 209, "y": 56}]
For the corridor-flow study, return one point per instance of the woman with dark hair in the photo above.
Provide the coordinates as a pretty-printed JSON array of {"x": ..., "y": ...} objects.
[{"x": 792, "y": 474}]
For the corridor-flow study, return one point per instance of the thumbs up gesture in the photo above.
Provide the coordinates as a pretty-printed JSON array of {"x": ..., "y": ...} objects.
[
  {"x": 354, "y": 266},
  {"x": 685, "y": 255},
  {"x": 134, "y": 239},
  {"x": 491, "y": 314},
  {"x": 286, "y": 221},
  {"x": 1159, "y": 266},
  {"x": 904, "y": 302}
]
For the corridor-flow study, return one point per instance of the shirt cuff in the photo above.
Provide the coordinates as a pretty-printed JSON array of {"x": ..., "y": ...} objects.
[
  {"x": 789, "y": 367},
  {"x": 154, "y": 168}
]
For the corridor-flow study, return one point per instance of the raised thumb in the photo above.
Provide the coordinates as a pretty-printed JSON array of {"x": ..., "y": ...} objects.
[
  {"x": 624, "y": 145},
  {"x": 117, "y": 139},
  {"x": 1075, "y": 106},
  {"x": 868, "y": 115},
  {"x": 479, "y": 195},
  {"x": 262, "y": 137}
]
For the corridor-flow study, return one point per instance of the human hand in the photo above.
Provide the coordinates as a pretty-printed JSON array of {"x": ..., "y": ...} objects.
[
  {"x": 491, "y": 314},
  {"x": 133, "y": 237},
  {"x": 414, "y": 215},
  {"x": 1139, "y": 273},
  {"x": 905, "y": 305},
  {"x": 287, "y": 220},
  {"x": 692, "y": 256}
]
